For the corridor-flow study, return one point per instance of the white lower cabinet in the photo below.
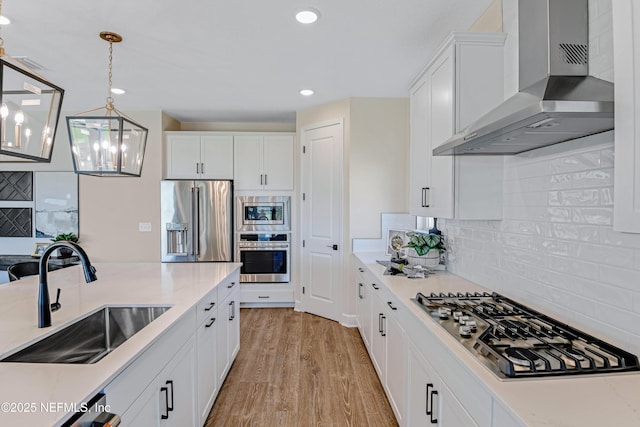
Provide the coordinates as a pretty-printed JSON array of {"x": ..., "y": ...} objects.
[
  {"x": 207, "y": 344},
  {"x": 430, "y": 400},
  {"x": 423, "y": 380},
  {"x": 228, "y": 330},
  {"x": 169, "y": 399},
  {"x": 363, "y": 306},
  {"x": 176, "y": 380},
  {"x": 388, "y": 349}
]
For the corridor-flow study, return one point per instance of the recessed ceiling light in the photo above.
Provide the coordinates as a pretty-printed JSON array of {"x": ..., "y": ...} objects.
[
  {"x": 4, "y": 20},
  {"x": 117, "y": 91},
  {"x": 307, "y": 16},
  {"x": 306, "y": 92}
]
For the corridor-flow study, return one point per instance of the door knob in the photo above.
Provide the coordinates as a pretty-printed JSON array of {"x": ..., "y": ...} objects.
[{"x": 334, "y": 247}]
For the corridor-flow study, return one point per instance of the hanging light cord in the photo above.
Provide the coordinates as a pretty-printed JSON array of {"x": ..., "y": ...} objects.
[{"x": 110, "y": 106}]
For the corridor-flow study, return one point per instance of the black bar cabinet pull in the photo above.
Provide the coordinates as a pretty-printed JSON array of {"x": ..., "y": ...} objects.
[
  {"x": 382, "y": 331},
  {"x": 431, "y": 391},
  {"x": 170, "y": 408},
  {"x": 360, "y": 291},
  {"x": 210, "y": 324},
  {"x": 374, "y": 286},
  {"x": 165, "y": 390},
  {"x": 211, "y": 304},
  {"x": 390, "y": 304}
]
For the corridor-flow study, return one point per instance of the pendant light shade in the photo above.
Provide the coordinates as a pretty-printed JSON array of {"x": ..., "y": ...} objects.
[
  {"x": 29, "y": 112},
  {"x": 107, "y": 145}
]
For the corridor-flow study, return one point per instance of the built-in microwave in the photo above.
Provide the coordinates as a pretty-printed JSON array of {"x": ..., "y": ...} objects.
[{"x": 263, "y": 213}]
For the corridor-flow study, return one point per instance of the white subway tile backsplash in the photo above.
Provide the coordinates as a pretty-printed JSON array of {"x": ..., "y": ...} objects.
[
  {"x": 554, "y": 214},
  {"x": 595, "y": 216},
  {"x": 585, "y": 233},
  {"x": 627, "y": 278},
  {"x": 573, "y": 266},
  {"x": 606, "y": 197},
  {"x": 610, "y": 255},
  {"x": 577, "y": 162},
  {"x": 592, "y": 178},
  {"x": 589, "y": 197},
  {"x": 560, "y": 181}
]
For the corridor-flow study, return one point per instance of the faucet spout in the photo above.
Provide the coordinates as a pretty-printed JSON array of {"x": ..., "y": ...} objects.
[{"x": 44, "y": 306}]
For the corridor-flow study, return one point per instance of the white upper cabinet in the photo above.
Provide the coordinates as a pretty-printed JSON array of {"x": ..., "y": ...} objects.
[
  {"x": 463, "y": 81},
  {"x": 626, "y": 59},
  {"x": 263, "y": 162},
  {"x": 199, "y": 156}
]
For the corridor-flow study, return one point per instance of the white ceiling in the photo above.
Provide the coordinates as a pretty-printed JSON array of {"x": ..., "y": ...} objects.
[{"x": 232, "y": 60}]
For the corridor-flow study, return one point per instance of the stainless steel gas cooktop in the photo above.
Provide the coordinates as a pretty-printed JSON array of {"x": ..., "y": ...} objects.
[{"x": 514, "y": 341}]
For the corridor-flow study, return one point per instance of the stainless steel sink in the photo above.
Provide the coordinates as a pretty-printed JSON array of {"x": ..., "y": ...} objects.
[{"x": 91, "y": 338}]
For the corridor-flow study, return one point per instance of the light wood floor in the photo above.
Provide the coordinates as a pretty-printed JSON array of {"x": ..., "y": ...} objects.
[{"x": 297, "y": 369}]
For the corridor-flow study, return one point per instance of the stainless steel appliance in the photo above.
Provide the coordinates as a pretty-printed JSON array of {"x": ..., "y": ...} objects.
[
  {"x": 197, "y": 221},
  {"x": 515, "y": 341},
  {"x": 263, "y": 213},
  {"x": 264, "y": 257},
  {"x": 558, "y": 101}
]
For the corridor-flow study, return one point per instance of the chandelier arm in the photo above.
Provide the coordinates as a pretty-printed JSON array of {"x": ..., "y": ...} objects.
[
  {"x": 90, "y": 111},
  {"x": 121, "y": 114}
]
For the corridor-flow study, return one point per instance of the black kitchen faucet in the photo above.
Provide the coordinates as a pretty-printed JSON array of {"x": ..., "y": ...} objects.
[{"x": 44, "y": 307}]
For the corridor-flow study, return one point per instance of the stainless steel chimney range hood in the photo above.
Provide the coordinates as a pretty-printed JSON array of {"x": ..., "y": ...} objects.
[{"x": 558, "y": 101}]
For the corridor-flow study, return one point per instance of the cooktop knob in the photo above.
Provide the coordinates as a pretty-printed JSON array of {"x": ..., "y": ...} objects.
[
  {"x": 471, "y": 324},
  {"x": 465, "y": 331},
  {"x": 444, "y": 313}
]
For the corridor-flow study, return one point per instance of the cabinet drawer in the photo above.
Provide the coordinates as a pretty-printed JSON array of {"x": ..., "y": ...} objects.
[
  {"x": 227, "y": 286},
  {"x": 207, "y": 305},
  {"x": 266, "y": 296}
]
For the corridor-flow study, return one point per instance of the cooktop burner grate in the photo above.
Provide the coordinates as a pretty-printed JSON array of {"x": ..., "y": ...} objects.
[{"x": 515, "y": 341}]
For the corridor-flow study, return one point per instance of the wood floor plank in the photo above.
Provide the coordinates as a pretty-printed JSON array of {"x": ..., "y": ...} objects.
[{"x": 296, "y": 369}]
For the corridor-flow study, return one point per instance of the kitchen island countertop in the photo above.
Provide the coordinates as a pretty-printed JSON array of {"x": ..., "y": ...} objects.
[
  {"x": 41, "y": 394},
  {"x": 586, "y": 400}
]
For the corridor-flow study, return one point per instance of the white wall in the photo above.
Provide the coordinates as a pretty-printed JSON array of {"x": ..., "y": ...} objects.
[
  {"x": 555, "y": 248},
  {"x": 379, "y": 141}
]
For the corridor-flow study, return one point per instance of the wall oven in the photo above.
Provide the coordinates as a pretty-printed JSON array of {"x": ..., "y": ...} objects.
[
  {"x": 264, "y": 257},
  {"x": 263, "y": 213}
]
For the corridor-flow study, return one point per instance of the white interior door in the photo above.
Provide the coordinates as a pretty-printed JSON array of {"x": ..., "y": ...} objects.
[{"x": 322, "y": 220}]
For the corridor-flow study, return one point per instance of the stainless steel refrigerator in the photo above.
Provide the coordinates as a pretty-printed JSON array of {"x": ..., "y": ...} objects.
[{"x": 197, "y": 221}]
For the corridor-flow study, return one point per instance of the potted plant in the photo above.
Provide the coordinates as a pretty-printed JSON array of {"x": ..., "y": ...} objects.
[
  {"x": 68, "y": 237},
  {"x": 427, "y": 247}
]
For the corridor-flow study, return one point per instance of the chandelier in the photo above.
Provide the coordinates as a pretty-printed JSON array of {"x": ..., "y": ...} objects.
[
  {"x": 29, "y": 112},
  {"x": 109, "y": 144}
]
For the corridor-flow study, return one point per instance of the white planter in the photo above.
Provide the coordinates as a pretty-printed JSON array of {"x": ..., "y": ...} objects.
[{"x": 430, "y": 259}]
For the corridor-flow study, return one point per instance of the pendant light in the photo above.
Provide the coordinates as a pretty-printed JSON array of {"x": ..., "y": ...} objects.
[
  {"x": 29, "y": 112},
  {"x": 111, "y": 144}
]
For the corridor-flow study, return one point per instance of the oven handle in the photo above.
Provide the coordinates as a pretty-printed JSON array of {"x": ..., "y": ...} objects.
[{"x": 262, "y": 247}]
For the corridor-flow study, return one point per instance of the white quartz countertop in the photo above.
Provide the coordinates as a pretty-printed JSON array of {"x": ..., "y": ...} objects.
[
  {"x": 588, "y": 400},
  {"x": 37, "y": 394}
]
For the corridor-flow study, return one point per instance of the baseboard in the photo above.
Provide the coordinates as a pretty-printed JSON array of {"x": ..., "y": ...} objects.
[{"x": 349, "y": 321}]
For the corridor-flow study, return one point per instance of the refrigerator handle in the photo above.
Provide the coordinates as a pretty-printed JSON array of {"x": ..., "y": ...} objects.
[{"x": 196, "y": 221}]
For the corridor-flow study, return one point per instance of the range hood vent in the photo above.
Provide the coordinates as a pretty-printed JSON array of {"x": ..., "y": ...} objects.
[{"x": 558, "y": 101}]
